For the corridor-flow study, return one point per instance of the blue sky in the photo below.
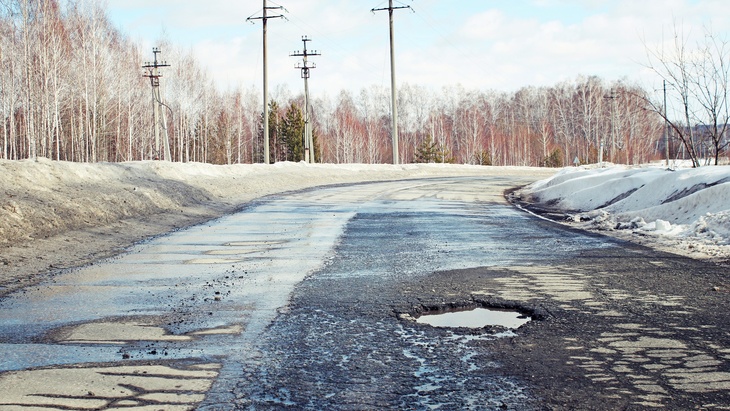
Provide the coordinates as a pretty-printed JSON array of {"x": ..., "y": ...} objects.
[{"x": 484, "y": 44}]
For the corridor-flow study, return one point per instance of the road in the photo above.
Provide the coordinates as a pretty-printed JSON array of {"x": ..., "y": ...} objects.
[{"x": 306, "y": 301}]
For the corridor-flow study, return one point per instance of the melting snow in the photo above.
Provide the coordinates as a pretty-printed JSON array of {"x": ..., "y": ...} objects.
[{"x": 686, "y": 209}]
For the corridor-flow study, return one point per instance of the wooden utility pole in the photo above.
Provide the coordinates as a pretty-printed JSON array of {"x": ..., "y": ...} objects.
[
  {"x": 393, "y": 91},
  {"x": 612, "y": 97},
  {"x": 264, "y": 18},
  {"x": 666, "y": 124},
  {"x": 153, "y": 72},
  {"x": 304, "y": 66}
]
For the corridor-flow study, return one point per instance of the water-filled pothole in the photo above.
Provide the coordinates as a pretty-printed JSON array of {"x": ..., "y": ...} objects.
[{"x": 475, "y": 318}]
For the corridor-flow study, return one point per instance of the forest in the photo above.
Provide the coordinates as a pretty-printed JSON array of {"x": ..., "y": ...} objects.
[{"x": 72, "y": 88}]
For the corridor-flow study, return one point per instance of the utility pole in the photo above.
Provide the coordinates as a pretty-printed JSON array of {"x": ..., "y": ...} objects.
[
  {"x": 666, "y": 124},
  {"x": 393, "y": 91},
  {"x": 612, "y": 97},
  {"x": 264, "y": 18},
  {"x": 153, "y": 72},
  {"x": 304, "y": 66}
]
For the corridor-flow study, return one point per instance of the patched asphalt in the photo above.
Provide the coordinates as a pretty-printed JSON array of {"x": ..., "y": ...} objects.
[{"x": 307, "y": 301}]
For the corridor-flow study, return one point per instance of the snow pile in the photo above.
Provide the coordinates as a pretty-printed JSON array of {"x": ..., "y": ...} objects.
[
  {"x": 42, "y": 198},
  {"x": 688, "y": 206}
]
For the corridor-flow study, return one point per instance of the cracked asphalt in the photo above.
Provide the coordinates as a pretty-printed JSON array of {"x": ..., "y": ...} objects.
[
  {"x": 616, "y": 326},
  {"x": 307, "y": 300}
]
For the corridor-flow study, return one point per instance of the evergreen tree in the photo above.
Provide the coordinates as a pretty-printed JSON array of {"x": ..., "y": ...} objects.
[
  {"x": 276, "y": 146},
  {"x": 317, "y": 149},
  {"x": 555, "y": 159},
  {"x": 431, "y": 152},
  {"x": 426, "y": 151},
  {"x": 292, "y": 133}
]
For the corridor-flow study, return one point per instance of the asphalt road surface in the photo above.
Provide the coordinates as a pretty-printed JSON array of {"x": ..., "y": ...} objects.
[{"x": 308, "y": 301}]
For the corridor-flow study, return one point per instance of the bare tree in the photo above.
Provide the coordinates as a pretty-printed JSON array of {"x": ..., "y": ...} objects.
[
  {"x": 373, "y": 107},
  {"x": 9, "y": 87},
  {"x": 471, "y": 128},
  {"x": 710, "y": 88},
  {"x": 561, "y": 114},
  {"x": 346, "y": 130},
  {"x": 674, "y": 67}
]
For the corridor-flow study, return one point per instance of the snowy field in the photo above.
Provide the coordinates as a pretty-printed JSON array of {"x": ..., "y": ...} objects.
[{"x": 686, "y": 210}]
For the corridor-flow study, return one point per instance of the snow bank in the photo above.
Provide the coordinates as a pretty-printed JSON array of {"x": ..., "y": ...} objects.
[
  {"x": 42, "y": 198},
  {"x": 689, "y": 204}
]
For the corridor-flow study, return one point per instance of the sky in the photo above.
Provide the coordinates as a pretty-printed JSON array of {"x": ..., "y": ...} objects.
[{"x": 502, "y": 45}]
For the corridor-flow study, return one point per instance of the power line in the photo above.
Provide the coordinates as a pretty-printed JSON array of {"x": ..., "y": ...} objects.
[{"x": 337, "y": 49}]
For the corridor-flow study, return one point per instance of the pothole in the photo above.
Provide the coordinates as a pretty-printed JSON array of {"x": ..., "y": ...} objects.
[{"x": 478, "y": 317}]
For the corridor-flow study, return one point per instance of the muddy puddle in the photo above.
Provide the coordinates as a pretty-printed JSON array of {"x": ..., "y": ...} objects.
[{"x": 475, "y": 318}]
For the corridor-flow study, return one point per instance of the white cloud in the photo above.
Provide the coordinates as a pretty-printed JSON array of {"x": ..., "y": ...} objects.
[
  {"x": 478, "y": 44},
  {"x": 489, "y": 25}
]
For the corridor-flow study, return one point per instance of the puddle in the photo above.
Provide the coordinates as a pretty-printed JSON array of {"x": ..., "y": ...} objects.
[{"x": 476, "y": 318}]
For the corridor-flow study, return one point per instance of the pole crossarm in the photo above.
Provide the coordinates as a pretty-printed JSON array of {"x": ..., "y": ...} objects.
[
  {"x": 153, "y": 67},
  {"x": 266, "y": 16},
  {"x": 304, "y": 65},
  {"x": 391, "y": 8}
]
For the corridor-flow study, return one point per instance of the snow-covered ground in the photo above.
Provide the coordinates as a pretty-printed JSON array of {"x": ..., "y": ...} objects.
[
  {"x": 41, "y": 198},
  {"x": 685, "y": 210}
]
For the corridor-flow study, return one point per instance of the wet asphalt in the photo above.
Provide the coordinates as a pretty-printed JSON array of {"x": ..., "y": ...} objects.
[
  {"x": 342, "y": 345},
  {"x": 307, "y": 300}
]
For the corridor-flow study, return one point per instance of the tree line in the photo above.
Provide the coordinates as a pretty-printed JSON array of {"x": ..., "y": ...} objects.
[{"x": 72, "y": 88}]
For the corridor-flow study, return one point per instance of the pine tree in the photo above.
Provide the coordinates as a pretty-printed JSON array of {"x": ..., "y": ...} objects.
[
  {"x": 275, "y": 143},
  {"x": 292, "y": 133},
  {"x": 426, "y": 151},
  {"x": 432, "y": 152}
]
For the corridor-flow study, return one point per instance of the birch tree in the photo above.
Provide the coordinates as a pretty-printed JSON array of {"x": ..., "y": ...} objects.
[
  {"x": 672, "y": 63},
  {"x": 710, "y": 84}
]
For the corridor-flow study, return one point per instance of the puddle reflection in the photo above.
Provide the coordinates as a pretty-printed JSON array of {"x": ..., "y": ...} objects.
[{"x": 476, "y": 318}]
